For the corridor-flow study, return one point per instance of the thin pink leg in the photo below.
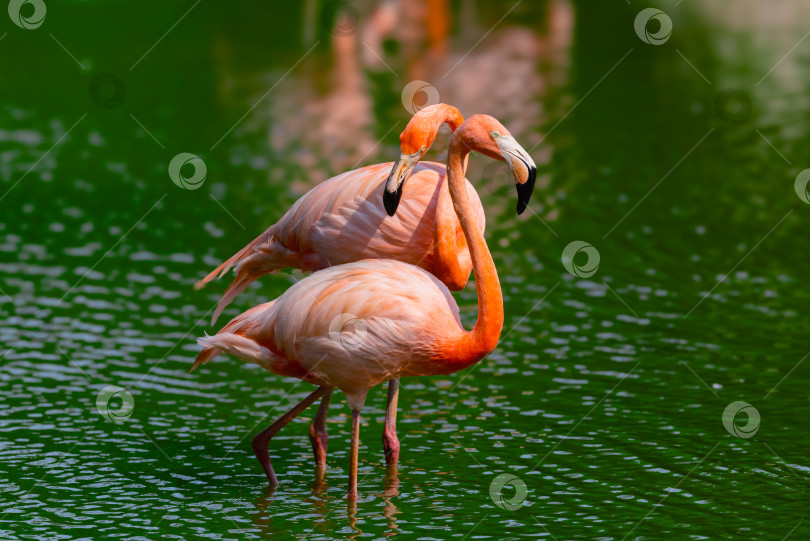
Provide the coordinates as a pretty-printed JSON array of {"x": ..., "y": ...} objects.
[
  {"x": 352, "y": 494},
  {"x": 390, "y": 440},
  {"x": 317, "y": 431},
  {"x": 261, "y": 442}
]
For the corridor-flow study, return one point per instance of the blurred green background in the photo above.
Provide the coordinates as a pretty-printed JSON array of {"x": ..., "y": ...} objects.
[{"x": 673, "y": 154}]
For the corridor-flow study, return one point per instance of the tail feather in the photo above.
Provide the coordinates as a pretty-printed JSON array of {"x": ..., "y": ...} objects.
[
  {"x": 241, "y": 347},
  {"x": 220, "y": 271},
  {"x": 231, "y": 339},
  {"x": 243, "y": 279},
  {"x": 265, "y": 254},
  {"x": 205, "y": 355}
]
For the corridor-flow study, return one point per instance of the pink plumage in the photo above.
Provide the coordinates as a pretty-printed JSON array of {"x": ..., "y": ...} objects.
[
  {"x": 348, "y": 326},
  {"x": 343, "y": 220}
]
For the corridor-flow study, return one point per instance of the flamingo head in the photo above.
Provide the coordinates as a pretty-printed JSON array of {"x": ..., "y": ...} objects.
[
  {"x": 486, "y": 135},
  {"x": 414, "y": 141}
]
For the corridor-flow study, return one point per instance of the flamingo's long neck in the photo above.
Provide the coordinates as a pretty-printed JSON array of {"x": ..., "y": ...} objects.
[
  {"x": 451, "y": 263},
  {"x": 476, "y": 344}
]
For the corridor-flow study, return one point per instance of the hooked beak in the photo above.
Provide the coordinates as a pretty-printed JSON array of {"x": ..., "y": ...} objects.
[
  {"x": 522, "y": 166},
  {"x": 396, "y": 180}
]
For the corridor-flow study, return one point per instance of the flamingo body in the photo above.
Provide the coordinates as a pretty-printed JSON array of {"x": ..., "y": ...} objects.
[
  {"x": 350, "y": 326},
  {"x": 343, "y": 220}
]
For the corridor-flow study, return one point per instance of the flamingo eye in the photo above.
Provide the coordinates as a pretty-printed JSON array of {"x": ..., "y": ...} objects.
[{"x": 494, "y": 134}]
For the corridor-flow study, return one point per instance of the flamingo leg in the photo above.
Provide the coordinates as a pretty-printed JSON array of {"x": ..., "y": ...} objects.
[
  {"x": 390, "y": 440},
  {"x": 317, "y": 431},
  {"x": 261, "y": 442},
  {"x": 352, "y": 494}
]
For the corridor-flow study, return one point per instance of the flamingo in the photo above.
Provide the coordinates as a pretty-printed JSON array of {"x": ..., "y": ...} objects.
[
  {"x": 394, "y": 319},
  {"x": 341, "y": 220}
]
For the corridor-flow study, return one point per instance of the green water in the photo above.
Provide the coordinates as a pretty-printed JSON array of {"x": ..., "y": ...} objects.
[{"x": 605, "y": 397}]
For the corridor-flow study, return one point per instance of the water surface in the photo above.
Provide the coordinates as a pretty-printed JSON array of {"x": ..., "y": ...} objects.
[{"x": 606, "y": 394}]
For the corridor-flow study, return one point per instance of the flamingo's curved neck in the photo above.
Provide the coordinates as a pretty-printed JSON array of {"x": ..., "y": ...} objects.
[
  {"x": 476, "y": 344},
  {"x": 451, "y": 261},
  {"x": 449, "y": 115}
]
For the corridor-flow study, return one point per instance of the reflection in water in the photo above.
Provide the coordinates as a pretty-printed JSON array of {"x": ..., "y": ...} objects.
[
  {"x": 328, "y": 510},
  {"x": 263, "y": 519},
  {"x": 391, "y": 491},
  {"x": 319, "y": 484},
  {"x": 331, "y": 130},
  {"x": 352, "y": 515}
]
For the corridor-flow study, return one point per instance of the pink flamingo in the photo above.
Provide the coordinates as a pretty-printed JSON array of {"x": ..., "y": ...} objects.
[
  {"x": 342, "y": 220},
  {"x": 393, "y": 319}
]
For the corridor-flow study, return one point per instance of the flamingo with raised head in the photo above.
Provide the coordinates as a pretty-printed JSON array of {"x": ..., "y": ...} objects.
[
  {"x": 404, "y": 320},
  {"x": 343, "y": 220}
]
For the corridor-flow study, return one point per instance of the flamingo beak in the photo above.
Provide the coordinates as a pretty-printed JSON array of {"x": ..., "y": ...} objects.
[
  {"x": 522, "y": 166},
  {"x": 396, "y": 180}
]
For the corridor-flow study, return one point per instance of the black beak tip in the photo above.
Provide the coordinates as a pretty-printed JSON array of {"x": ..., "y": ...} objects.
[
  {"x": 525, "y": 190},
  {"x": 521, "y": 206},
  {"x": 391, "y": 200}
]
